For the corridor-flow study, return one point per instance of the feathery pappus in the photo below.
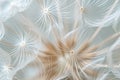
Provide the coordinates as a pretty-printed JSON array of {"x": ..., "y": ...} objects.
[{"x": 59, "y": 40}]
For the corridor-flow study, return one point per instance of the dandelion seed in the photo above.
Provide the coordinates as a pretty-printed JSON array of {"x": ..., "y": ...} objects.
[
  {"x": 62, "y": 57},
  {"x": 96, "y": 12},
  {"x": 59, "y": 40}
]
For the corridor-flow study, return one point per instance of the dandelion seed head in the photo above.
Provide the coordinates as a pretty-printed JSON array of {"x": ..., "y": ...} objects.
[{"x": 69, "y": 57}]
